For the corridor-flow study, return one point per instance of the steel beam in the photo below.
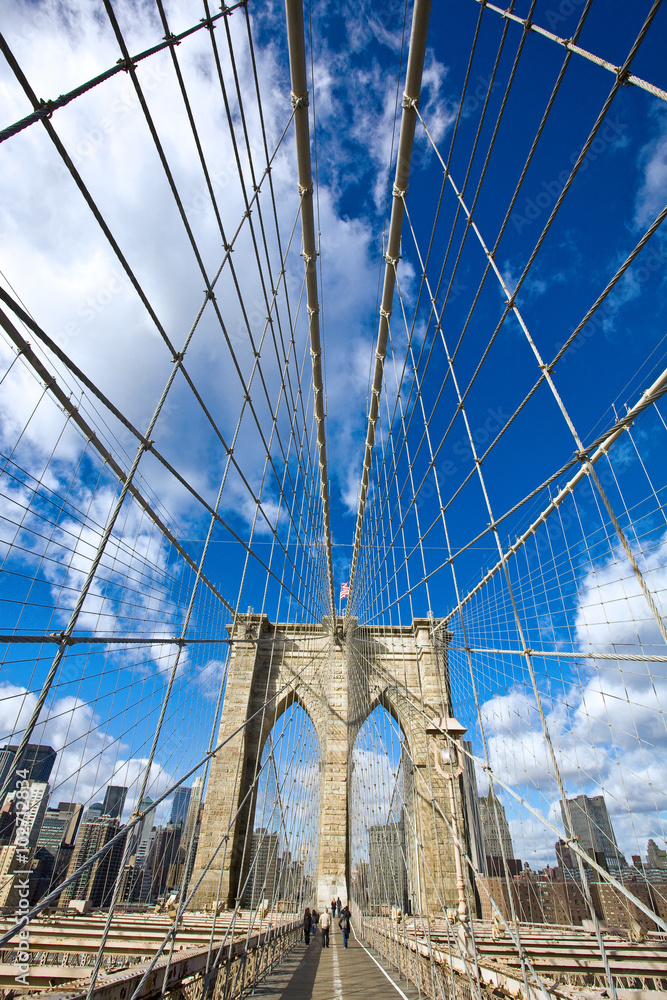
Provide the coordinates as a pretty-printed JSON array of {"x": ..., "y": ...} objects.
[
  {"x": 299, "y": 81},
  {"x": 411, "y": 95}
]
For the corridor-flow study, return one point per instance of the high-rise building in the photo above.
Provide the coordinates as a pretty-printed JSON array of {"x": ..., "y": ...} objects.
[
  {"x": 264, "y": 868},
  {"x": 114, "y": 801},
  {"x": 179, "y": 806},
  {"x": 495, "y": 828},
  {"x": 97, "y": 882},
  {"x": 131, "y": 882},
  {"x": 656, "y": 857},
  {"x": 194, "y": 811},
  {"x": 37, "y": 760},
  {"x": 8, "y": 876},
  {"x": 94, "y": 811},
  {"x": 54, "y": 847},
  {"x": 387, "y": 870},
  {"x": 59, "y": 826},
  {"x": 592, "y": 825},
  {"x": 21, "y": 818},
  {"x": 473, "y": 818},
  {"x": 163, "y": 854}
]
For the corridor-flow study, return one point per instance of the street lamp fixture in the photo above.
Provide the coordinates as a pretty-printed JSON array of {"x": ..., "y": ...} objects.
[{"x": 446, "y": 735}]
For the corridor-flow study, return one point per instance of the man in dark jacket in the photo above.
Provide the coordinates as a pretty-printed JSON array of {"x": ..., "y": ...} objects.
[{"x": 344, "y": 924}]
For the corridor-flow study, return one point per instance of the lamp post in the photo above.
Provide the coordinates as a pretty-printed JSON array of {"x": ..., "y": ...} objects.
[{"x": 447, "y": 733}]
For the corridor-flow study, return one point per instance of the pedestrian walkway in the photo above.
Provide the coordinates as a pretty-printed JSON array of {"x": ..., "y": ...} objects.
[{"x": 312, "y": 972}]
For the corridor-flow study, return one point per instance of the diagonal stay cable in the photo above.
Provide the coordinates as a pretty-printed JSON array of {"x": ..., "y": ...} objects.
[
  {"x": 145, "y": 444},
  {"x": 46, "y": 108}
]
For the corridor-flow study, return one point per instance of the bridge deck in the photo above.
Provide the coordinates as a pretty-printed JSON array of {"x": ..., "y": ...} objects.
[{"x": 312, "y": 972}]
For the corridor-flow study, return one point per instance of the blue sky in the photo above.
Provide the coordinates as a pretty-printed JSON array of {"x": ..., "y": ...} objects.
[{"x": 58, "y": 263}]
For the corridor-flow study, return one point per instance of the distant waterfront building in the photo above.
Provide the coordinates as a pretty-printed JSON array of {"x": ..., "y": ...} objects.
[
  {"x": 262, "y": 882},
  {"x": 535, "y": 899},
  {"x": 114, "y": 801},
  {"x": 37, "y": 760},
  {"x": 495, "y": 828},
  {"x": 592, "y": 825},
  {"x": 387, "y": 870},
  {"x": 179, "y": 806},
  {"x": 617, "y": 910},
  {"x": 97, "y": 882}
]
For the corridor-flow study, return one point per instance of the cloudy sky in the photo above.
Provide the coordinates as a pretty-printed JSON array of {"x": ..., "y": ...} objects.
[{"x": 101, "y": 259}]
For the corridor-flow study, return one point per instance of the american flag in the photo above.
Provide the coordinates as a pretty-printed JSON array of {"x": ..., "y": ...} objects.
[{"x": 344, "y": 591}]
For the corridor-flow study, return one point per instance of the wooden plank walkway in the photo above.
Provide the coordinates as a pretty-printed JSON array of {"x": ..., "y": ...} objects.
[{"x": 311, "y": 972}]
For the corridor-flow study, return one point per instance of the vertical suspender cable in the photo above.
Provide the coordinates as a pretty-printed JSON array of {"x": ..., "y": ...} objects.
[
  {"x": 413, "y": 78},
  {"x": 297, "y": 60}
]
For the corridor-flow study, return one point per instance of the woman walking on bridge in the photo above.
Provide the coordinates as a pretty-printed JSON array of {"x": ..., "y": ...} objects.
[{"x": 307, "y": 921}]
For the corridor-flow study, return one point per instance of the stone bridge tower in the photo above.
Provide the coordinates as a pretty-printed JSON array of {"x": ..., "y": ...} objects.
[{"x": 357, "y": 668}]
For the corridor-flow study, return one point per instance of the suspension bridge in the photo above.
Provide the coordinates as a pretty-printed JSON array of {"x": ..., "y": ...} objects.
[{"x": 333, "y": 514}]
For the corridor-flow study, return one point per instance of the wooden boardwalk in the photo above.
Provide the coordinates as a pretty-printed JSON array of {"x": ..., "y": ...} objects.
[{"x": 311, "y": 972}]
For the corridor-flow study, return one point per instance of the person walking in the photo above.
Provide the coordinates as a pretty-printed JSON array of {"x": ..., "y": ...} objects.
[
  {"x": 307, "y": 924},
  {"x": 325, "y": 924},
  {"x": 344, "y": 924},
  {"x": 338, "y": 905},
  {"x": 314, "y": 916},
  {"x": 333, "y": 908}
]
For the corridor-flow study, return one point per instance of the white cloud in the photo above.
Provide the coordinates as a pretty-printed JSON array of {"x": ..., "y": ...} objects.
[
  {"x": 606, "y": 722},
  {"x": 652, "y": 195},
  {"x": 89, "y": 758}
]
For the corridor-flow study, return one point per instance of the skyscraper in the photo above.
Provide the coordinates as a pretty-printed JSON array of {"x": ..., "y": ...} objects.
[
  {"x": 37, "y": 760},
  {"x": 473, "y": 818},
  {"x": 656, "y": 857},
  {"x": 163, "y": 853},
  {"x": 114, "y": 801},
  {"x": 97, "y": 882},
  {"x": 179, "y": 806},
  {"x": 54, "y": 847},
  {"x": 194, "y": 808},
  {"x": 264, "y": 868},
  {"x": 387, "y": 871},
  {"x": 495, "y": 828},
  {"x": 592, "y": 825},
  {"x": 59, "y": 826},
  {"x": 23, "y": 816}
]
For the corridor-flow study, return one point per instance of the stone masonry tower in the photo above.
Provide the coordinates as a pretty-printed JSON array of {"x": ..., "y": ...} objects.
[{"x": 338, "y": 672}]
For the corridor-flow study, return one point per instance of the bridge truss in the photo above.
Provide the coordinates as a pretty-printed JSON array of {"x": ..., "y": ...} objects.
[{"x": 239, "y": 247}]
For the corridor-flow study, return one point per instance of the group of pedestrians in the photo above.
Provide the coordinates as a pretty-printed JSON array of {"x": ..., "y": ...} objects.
[{"x": 312, "y": 918}]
